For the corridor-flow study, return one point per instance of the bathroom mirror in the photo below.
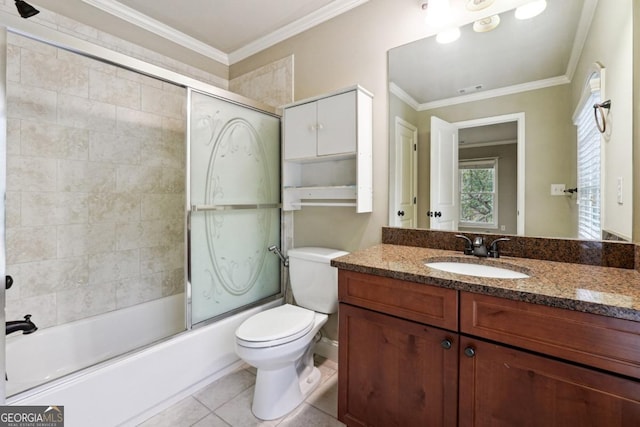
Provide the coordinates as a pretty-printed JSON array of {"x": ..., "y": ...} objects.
[{"x": 512, "y": 93}]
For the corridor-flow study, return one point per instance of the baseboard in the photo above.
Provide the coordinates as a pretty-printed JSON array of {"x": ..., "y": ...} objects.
[{"x": 327, "y": 348}]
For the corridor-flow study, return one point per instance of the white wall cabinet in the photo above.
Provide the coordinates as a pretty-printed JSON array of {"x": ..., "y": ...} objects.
[{"x": 327, "y": 156}]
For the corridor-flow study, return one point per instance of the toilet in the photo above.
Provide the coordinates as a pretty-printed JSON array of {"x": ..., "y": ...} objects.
[{"x": 279, "y": 341}]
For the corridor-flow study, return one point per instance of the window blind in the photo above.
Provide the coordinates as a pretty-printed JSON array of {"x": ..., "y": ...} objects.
[{"x": 589, "y": 201}]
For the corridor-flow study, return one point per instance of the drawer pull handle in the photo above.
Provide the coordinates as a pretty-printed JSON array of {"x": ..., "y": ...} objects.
[
  {"x": 469, "y": 351},
  {"x": 446, "y": 343}
]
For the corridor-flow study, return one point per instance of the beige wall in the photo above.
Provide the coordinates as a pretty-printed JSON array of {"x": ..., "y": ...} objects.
[
  {"x": 349, "y": 49},
  {"x": 611, "y": 49},
  {"x": 550, "y": 152}
]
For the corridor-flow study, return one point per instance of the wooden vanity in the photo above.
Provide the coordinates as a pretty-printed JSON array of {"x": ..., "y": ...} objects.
[{"x": 431, "y": 349}]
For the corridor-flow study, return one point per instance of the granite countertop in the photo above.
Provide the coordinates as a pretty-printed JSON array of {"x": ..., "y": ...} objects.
[{"x": 613, "y": 292}]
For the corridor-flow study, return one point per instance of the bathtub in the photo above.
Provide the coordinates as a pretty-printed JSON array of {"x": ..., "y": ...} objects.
[{"x": 126, "y": 389}]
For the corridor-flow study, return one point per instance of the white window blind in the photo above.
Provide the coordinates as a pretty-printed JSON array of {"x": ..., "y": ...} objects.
[{"x": 589, "y": 201}]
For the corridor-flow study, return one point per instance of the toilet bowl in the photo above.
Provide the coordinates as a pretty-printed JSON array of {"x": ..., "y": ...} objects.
[{"x": 279, "y": 341}]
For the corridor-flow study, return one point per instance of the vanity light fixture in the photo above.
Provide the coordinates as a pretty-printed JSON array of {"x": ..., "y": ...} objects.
[
  {"x": 25, "y": 9},
  {"x": 531, "y": 9},
  {"x": 448, "y": 36},
  {"x": 487, "y": 24}
]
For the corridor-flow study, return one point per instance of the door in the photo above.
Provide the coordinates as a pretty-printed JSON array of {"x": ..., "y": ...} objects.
[
  {"x": 337, "y": 124},
  {"x": 394, "y": 372},
  {"x": 235, "y": 206},
  {"x": 300, "y": 131},
  {"x": 406, "y": 175},
  {"x": 501, "y": 386},
  {"x": 443, "y": 210}
]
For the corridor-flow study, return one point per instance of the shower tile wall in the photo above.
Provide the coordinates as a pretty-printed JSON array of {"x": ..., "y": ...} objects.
[{"x": 95, "y": 185}]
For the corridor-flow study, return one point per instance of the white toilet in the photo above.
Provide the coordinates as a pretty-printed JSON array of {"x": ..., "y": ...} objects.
[{"x": 279, "y": 341}]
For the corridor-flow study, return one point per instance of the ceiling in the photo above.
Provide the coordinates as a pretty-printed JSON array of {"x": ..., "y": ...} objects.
[
  {"x": 224, "y": 30},
  {"x": 516, "y": 56}
]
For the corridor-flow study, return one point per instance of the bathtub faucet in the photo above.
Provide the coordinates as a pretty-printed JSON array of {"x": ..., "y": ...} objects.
[
  {"x": 26, "y": 326},
  {"x": 276, "y": 250}
]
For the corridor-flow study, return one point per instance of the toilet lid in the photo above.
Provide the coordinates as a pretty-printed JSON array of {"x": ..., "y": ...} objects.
[{"x": 276, "y": 326}]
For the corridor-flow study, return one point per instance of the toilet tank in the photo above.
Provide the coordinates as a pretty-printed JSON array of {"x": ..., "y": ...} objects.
[{"x": 314, "y": 281}]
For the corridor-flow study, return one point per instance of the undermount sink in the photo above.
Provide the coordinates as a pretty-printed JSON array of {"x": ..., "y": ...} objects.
[{"x": 478, "y": 270}]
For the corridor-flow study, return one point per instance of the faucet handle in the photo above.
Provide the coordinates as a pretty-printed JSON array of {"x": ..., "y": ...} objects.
[
  {"x": 468, "y": 247},
  {"x": 494, "y": 252}
]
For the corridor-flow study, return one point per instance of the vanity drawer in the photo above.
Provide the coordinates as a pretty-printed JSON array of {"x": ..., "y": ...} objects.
[
  {"x": 599, "y": 341},
  {"x": 426, "y": 304}
]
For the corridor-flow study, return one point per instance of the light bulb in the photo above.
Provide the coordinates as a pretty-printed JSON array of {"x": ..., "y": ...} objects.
[{"x": 531, "y": 9}]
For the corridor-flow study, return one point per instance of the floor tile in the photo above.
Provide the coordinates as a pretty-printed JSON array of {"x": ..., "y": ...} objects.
[
  {"x": 183, "y": 414},
  {"x": 221, "y": 391},
  {"x": 237, "y": 412},
  {"x": 325, "y": 397},
  {"x": 306, "y": 415},
  {"x": 212, "y": 420}
]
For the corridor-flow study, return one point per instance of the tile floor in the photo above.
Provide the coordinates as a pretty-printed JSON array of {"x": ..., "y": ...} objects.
[{"x": 227, "y": 402}]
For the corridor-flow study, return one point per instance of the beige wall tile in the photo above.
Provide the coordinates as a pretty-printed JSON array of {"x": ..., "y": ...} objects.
[
  {"x": 26, "y": 244},
  {"x": 86, "y": 113},
  {"x": 114, "y": 90},
  {"x": 86, "y": 239},
  {"x": 52, "y": 208},
  {"x": 54, "y": 141}
]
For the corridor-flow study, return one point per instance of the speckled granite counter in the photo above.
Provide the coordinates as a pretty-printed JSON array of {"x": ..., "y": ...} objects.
[{"x": 613, "y": 292}]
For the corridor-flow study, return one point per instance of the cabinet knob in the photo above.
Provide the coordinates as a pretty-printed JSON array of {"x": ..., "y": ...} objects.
[
  {"x": 446, "y": 343},
  {"x": 469, "y": 351},
  {"x": 320, "y": 126},
  {"x": 400, "y": 213}
]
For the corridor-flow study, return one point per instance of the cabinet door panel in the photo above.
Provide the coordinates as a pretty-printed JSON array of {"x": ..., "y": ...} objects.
[
  {"x": 300, "y": 123},
  {"x": 394, "y": 372},
  {"x": 500, "y": 386},
  {"x": 337, "y": 124}
]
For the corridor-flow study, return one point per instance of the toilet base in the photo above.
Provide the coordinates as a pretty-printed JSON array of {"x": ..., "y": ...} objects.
[{"x": 278, "y": 392}]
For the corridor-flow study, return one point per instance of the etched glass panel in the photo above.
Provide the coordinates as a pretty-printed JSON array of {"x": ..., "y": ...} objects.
[{"x": 235, "y": 189}]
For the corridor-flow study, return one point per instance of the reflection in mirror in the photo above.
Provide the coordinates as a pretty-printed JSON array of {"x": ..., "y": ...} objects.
[{"x": 538, "y": 70}]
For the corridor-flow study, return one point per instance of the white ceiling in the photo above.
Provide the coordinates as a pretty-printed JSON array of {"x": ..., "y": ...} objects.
[
  {"x": 516, "y": 56},
  {"x": 224, "y": 30}
]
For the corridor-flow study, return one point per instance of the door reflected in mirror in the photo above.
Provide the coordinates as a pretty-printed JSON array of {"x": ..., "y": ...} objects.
[{"x": 537, "y": 69}]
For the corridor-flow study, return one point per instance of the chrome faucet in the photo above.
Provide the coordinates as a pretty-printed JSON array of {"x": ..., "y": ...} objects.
[
  {"x": 26, "y": 326},
  {"x": 478, "y": 248}
]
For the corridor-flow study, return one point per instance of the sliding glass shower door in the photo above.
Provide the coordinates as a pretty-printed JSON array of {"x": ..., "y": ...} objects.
[{"x": 234, "y": 206}]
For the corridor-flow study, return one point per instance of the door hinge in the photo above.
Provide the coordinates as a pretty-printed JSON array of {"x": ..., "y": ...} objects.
[
  {"x": 415, "y": 200},
  {"x": 415, "y": 147}
]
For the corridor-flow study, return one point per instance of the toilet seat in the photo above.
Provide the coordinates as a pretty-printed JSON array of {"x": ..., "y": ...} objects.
[{"x": 275, "y": 326}]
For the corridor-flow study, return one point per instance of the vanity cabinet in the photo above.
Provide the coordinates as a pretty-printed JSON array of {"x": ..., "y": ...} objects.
[
  {"x": 395, "y": 369},
  {"x": 414, "y": 354},
  {"x": 327, "y": 155}
]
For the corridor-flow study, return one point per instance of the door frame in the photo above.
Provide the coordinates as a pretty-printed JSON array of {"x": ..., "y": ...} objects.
[{"x": 520, "y": 119}]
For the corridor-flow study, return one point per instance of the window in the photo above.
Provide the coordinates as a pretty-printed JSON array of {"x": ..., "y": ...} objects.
[
  {"x": 479, "y": 193},
  {"x": 589, "y": 202}
]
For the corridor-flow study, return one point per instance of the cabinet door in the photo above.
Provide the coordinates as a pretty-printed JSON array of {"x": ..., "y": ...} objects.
[
  {"x": 337, "y": 124},
  {"x": 394, "y": 372},
  {"x": 501, "y": 386},
  {"x": 300, "y": 123}
]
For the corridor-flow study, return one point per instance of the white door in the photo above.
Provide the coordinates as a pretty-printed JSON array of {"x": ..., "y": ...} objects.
[
  {"x": 443, "y": 210},
  {"x": 406, "y": 177}
]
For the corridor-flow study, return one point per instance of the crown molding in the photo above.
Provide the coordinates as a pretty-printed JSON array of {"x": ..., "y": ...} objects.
[
  {"x": 143, "y": 21},
  {"x": 404, "y": 96},
  {"x": 508, "y": 90},
  {"x": 584, "y": 24},
  {"x": 138, "y": 19},
  {"x": 321, "y": 15}
]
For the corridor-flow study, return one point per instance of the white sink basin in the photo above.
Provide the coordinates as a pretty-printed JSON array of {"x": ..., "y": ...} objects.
[{"x": 478, "y": 270}]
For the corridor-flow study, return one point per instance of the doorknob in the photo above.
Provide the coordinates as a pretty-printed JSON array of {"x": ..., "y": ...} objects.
[{"x": 400, "y": 213}]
